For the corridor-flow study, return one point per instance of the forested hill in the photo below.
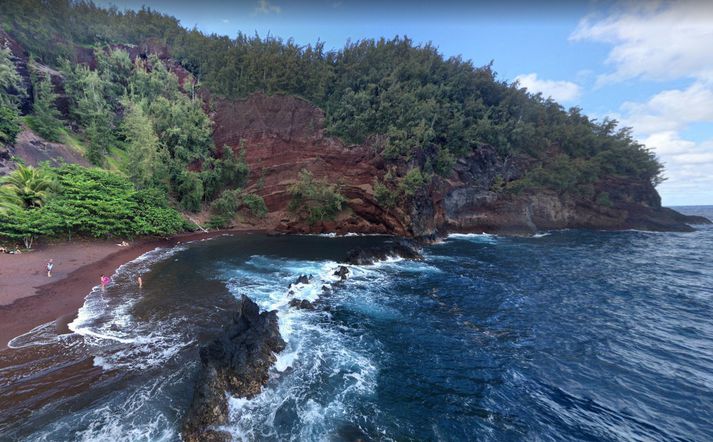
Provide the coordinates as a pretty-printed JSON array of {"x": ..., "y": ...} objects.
[{"x": 430, "y": 143}]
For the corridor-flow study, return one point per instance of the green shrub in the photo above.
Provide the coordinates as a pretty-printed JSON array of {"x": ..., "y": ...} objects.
[
  {"x": 190, "y": 191},
  {"x": 93, "y": 202},
  {"x": 412, "y": 182},
  {"x": 219, "y": 222},
  {"x": 255, "y": 204},
  {"x": 9, "y": 124},
  {"x": 226, "y": 205},
  {"x": 604, "y": 200},
  {"x": 314, "y": 200},
  {"x": 384, "y": 196}
]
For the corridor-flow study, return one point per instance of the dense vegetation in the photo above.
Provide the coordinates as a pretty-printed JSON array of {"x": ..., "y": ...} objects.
[
  {"x": 427, "y": 109},
  {"x": 11, "y": 91},
  {"x": 420, "y": 110},
  {"x": 74, "y": 200}
]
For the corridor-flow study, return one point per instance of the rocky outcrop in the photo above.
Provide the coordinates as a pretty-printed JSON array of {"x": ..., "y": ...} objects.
[
  {"x": 282, "y": 135},
  {"x": 34, "y": 150},
  {"x": 470, "y": 204},
  {"x": 237, "y": 363},
  {"x": 301, "y": 304},
  {"x": 303, "y": 279},
  {"x": 342, "y": 272},
  {"x": 394, "y": 249}
]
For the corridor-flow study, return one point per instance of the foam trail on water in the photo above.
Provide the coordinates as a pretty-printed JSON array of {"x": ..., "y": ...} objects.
[
  {"x": 474, "y": 237},
  {"x": 319, "y": 357},
  {"x": 115, "y": 338}
]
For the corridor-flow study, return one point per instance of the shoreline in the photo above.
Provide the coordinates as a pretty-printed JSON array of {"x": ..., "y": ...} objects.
[
  {"x": 26, "y": 306},
  {"x": 29, "y": 300}
]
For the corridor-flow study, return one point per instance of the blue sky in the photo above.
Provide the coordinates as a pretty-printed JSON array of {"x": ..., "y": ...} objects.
[{"x": 649, "y": 65}]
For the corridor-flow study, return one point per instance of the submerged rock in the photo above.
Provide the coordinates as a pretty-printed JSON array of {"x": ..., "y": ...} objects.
[
  {"x": 237, "y": 362},
  {"x": 365, "y": 256}
]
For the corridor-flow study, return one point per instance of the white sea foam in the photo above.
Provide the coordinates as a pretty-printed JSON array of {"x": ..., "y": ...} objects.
[
  {"x": 316, "y": 352},
  {"x": 114, "y": 337},
  {"x": 474, "y": 237},
  {"x": 124, "y": 417},
  {"x": 41, "y": 335}
]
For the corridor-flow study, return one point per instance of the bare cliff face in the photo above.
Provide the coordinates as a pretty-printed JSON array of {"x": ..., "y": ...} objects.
[{"x": 282, "y": 135}]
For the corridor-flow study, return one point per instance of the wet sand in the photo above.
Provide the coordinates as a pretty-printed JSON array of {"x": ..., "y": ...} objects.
[{"x": 29, "y": 298}]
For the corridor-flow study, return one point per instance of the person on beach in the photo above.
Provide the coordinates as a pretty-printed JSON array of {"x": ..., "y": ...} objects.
[
  {"x": 139, "y": 281},
  {"x": 50, "y": 265},
  {"x": 104, "y": 281}
]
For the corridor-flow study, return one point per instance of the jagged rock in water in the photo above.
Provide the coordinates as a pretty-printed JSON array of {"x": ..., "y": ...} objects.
[
  {"x": 342, "y": 272},
  {"x": 303, "y": 279},
  {"x": 365, "y": 256},
  {"x": 236, "y": 362},
  {"x": 302, "y": 304}
]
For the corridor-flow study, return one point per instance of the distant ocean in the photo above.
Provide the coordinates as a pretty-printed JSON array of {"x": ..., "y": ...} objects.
[{"x": 567, "y": 335}]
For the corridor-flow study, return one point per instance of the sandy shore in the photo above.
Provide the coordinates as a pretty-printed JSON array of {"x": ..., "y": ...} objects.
[{"x": 29, "y": 298}]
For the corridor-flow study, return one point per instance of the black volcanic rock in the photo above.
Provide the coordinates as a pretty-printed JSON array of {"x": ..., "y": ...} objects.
[
  {"x": 238, "y": 362},
  {"x": 342, "y": 272},
  {"x": 302, "y": 304},
  {"x": 303, "y": 279},
  {"x": 365, "y": 256}
]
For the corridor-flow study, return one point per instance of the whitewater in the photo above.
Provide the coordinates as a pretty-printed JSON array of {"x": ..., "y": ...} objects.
[{"x": 572, "y": 335}]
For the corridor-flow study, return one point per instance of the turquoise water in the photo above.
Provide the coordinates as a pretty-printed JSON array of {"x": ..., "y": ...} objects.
[{"x": 571, "y": 335}]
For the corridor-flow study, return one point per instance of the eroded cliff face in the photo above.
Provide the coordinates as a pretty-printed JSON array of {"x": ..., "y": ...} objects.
[{"x": 282, "y": 135}]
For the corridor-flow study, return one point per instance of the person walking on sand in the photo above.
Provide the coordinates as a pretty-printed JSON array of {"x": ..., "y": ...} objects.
[
  {"x": 104, "y": 281},
  {"x": 50, "y": 265}
]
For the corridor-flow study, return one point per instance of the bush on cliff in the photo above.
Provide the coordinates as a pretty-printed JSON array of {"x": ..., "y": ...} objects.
[
  {"x": 45, "y": 116},
  {"x": 11, "y": 91},
  {"x": 314, "y": 200},
  {"x": 225, "y": 207}
]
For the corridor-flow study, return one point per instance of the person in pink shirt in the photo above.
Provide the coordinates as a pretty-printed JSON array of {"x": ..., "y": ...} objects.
[{"x": 105, "y": 280}]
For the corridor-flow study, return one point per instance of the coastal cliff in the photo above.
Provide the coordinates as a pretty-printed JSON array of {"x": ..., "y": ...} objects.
[
  {"x": 279, "y": 136},
  {"x": 282, "y": 135}
]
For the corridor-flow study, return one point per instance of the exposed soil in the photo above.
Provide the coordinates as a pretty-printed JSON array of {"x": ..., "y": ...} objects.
[{"x": 29, "y": 298}]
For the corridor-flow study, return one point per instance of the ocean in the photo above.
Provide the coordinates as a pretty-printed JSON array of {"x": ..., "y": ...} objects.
[{"x": 566, "y": 335}]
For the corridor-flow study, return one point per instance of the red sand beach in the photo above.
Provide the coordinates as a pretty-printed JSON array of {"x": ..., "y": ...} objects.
[{"x": 29, "y": 298}]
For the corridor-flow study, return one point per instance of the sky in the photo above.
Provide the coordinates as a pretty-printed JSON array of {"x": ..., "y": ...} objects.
[{"x": 647, "y": 64}]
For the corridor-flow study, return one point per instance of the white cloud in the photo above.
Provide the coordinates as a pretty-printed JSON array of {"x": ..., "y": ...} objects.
[
  {"x": 659, "y": 122},
  {"x": 694, "y": 158},
  {"x": 558, "y": 90},
  {"x": 663, "y": 41},
  {"x": 671, "y": 109},
  {"x": 265, "y": 7},
  {"x": 225, "y": 20},
  {"x": 690, "y": 180},
  {"x": 656, "y": 40},
  {"x": 668, "y": 142}
]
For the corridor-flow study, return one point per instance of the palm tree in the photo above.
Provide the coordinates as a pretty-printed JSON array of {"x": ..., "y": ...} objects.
[
  {"x": 8, "y": 200},
  {"x": 31, "y": 186}
]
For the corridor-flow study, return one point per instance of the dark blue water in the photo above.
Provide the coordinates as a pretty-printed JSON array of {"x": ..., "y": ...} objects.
[{"x": 572, "y": 335}]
